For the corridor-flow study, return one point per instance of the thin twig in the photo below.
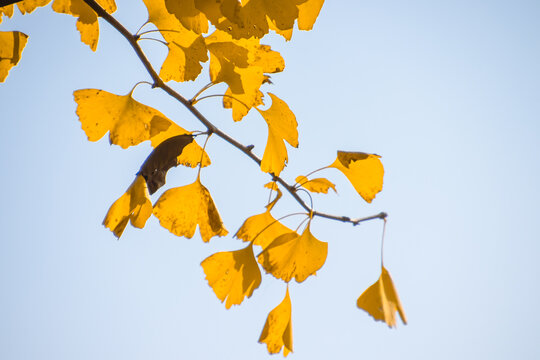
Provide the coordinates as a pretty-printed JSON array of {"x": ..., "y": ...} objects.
[{"x": 159, "y": 83}]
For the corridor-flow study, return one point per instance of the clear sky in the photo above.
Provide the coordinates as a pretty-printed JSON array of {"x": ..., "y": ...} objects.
[{"x": 448, "y": 92}]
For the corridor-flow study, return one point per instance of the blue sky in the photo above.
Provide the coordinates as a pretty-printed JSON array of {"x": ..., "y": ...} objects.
[{"x": 448, "y": 93}]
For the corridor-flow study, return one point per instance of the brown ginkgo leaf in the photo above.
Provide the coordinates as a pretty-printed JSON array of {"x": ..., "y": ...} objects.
[{"x": 155, "y": 167}]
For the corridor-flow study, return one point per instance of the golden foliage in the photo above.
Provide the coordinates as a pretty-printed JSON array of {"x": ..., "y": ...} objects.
[
  {"x": 277, "y": 331},
  {"x": 181, "y": 209},
  {"x": 233, "y": 275},
  {"x": 87, "y": 19},
  {"x": 364, "y": 171},
  {"x": 317, "y": 185},
  {"x": 282, "y": 126},
  {"x": 294, "y": 256},
  {"x": 381, "y": 300},
  {"x": 12, "y": 44},
  {"x": 133, "y": 206}
]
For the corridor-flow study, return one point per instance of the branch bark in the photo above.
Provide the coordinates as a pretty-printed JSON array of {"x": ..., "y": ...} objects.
[{"x": 158, "y": 82}]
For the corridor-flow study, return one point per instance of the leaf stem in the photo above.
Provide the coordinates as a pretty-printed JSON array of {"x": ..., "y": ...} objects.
[
  {"x": 194, "y": 100},
  {"x": 159, "y": 41},
  {"x": 219, "y": 95}
]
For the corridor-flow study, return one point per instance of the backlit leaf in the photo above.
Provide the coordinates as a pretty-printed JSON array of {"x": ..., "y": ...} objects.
[
  {"x": 186, "y": 48},
  {"x": 12, "y": 44},
  {"x": 181, "y": 209},
  {"x": 6, "y": 11},
  {"x": 188, "y": 15},
  {"x": 233, "y": 275},
  {"x": 308, "y": 13},
  {"x": 294, "y": 256},
  {"x": 381, "y": 300},
  {"x": 364, "y": 171},
  {"x": 161, "y": 159},
  {"x": 134, "y": 206},
  {"x": 282, "y": 126},
  {"x": 128, "y": 121},
  {"x": 162, "y": 128},
  {"x": 317, "y": 185},
  {"x": 27, "y": 6},
  {"x": 277, "y": 331},
  {"x": 87, "y": 19}
]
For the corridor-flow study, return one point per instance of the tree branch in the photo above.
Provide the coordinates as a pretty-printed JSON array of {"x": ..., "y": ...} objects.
[{"x": 158, "y": 82}]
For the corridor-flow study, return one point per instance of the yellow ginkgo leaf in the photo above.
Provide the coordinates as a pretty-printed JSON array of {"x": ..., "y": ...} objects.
[
  {"x": 262, "y": 229},
  {"x": 162, "y": 129},
  {"x": 277, "y": 331},
  {"x": 27, "y": 6},
  {"x": 181, "y": 209},
  {"x": 294, "y": 256},
  {"x": 188, "y": 15},
  {"x": 364, "y": 171},
  {"x": 381, "y": 300},
  {"x": 6, "y": 11},
  {"x": 186, "y": 48},
  {"x": 12, "y": 44},
  {"x": 241, "y": 64},
  {"x": 87, "y": 19},
  {"x": 134, "y": 206},
  {"x": 308, "y": 13},
  {"x": 128, "y": 121},
  {"x": 282, "y": 126},
  {"x": 233, "y": 275},
  {"x": 318, "y": 185}
]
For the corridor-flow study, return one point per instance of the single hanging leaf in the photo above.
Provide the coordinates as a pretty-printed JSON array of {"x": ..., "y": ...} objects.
[
  {"x": 128, "y": 121},
  {"x": 381, "y": 301},
  {"x": 277, "y": 331},
  {"x": 134, "y": 206},
  {"x": 162, "y": 129},
  {"x": 318, "y": 185},
  {"x": 12, "y": 44},
  {"x": 186, "y": 48},
  {"x": 165, "y": 156},
  {"x": 364, "y": 171},
  {"x": 294, "y": 256},
  {"x": 282, "y": 126},
  {"x": 181, "y": 209},
  {"x": 233, "y": 275},
  {"x": 87, "y": 19}
]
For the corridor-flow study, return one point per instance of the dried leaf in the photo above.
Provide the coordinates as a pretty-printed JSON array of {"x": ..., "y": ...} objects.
[
  {"x": 318, "y": 185},
  {"x": 181, "y": 209},
  {"x": 161, "y": 159},
  {"x": 233, "y": 275},
  {"x": 87, "y": 19},
  {"x": 364, "y": 171},
  {"x": 277, "y": 331},
  {"x": 292, "y": 255},
  {"x": 12, "y": 44},
  {"x": 282, "y": 126},
  {"x": 381, "y": 301},
  {"x": 134, "y": 206}
]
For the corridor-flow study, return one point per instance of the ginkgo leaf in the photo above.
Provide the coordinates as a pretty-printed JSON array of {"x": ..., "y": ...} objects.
[
  {"x": 134, "y": 206},
  {"x": 317, "y": 185},
  {"x": 6, "y": 11},
  {"x": 233, "y": 275},
  {"x": 277, "y": 331},
  {"x": 262, "y": 229},
  {"x": 188, "y": 15},
  {"x": 128, "y": 121},
  {"x": 12, "y": 44},
  {"x": 364, "y": 171},
  {"x": 87, "y": 19},
  {"x": 181, "y": 209},
  {"x": 241, "y": 64},
  {"x": 162, "y": 129},
  {"x": 28, "y": 6},
  {"x": 308, "y": 13},
  {"x": 282, "y": 126},
  {"x": 187, "y": 49},
  {"x": 161, "y": 159},
  {"x": 381, "y": 300},
  {"x": 294, "y": 256}
]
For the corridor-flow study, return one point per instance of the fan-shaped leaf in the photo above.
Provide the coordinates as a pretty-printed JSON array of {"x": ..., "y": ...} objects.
[{"x": 277, "y": 331}]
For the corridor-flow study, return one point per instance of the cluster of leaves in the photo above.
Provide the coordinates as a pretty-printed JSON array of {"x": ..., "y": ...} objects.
[{"x": 228, "y": 34}]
